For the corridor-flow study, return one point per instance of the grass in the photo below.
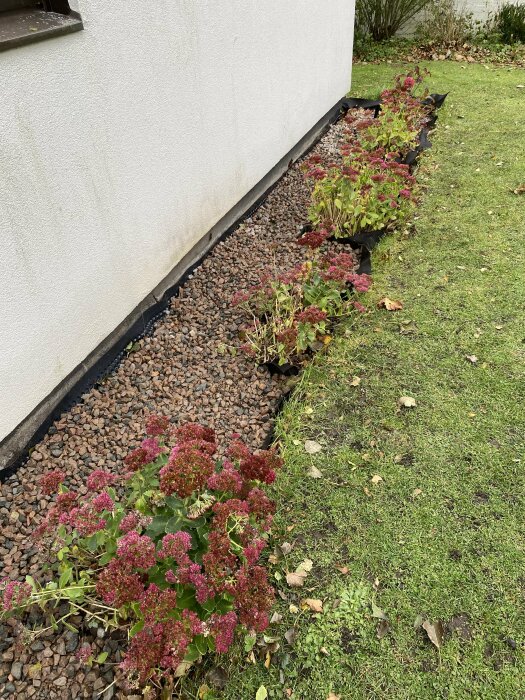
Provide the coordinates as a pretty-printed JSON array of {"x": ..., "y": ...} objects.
[{"x": 442, "y": 534}]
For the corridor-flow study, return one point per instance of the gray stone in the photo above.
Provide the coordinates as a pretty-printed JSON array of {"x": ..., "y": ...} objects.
[{"x": 16, "y": 670}]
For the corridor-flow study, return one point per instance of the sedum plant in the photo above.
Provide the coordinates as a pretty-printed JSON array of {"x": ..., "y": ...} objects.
[
  {"x": 369, "y": 192},
  {"x": 168, "y": 550},
  {"x": 368, "y": 188},
  {"x": 294, "y": 314}
]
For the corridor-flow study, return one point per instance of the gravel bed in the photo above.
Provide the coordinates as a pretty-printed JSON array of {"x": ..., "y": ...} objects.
[{"x": 185, "y": 369}]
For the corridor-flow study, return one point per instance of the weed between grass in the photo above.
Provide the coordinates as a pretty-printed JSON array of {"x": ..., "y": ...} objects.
[{"x": 441, "y": 535}]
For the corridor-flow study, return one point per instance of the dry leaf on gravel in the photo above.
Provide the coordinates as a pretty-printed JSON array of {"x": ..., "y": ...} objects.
[
  {"x": 435, "y": 632},
  {"x": 407, "y": 402},
  {"x": 312, "y": 447},
  {"x": 389, "y": 304},
  {"x": 314, "y": 604},
  {"x": 314, "y": 472}
]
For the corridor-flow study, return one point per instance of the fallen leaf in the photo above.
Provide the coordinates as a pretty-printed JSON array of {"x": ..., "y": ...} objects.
[
  {"x": 376, "y": 479},
  {"x": 378, "y": 613},
  {"x": 293, "y": 609},
  {"x": 324, "y": 651},
  {"x": 314, "y": 604},
  {"x": 290, "y": 635},
  {"x": 435, "y": 632},
  {"x": 356, "y": 381},
  {"x": 382, "y": 628},
  {"x": 389, "y": 304},
  {"x": 312, "y": 447},
  {"x": 407, "y": 401},
  {"x": 275, "y": 618},
  {"x": 314, "y": 472},
  {"x": 308, "y": 410},
  {"x": 343, "y": 569},
  {"x": 267, "y": 662},
  {"x": 273, "y": 559},
  {"x": 305, "y": 565},
  {"x": 295, "y": 579},
  {"x": 286, "y": 548},
  {"x": 520, "y": 189},
  {"x": 333, "y": 696},
  {"x": 416, "y": 493},
  {"x": 471, "y": 358},
  {"x": 261, "y": 694}
]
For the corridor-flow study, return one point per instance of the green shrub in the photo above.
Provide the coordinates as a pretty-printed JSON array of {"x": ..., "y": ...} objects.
[
  {"x": 383, "y": 18},
  {"x": 509, "y": 22}
]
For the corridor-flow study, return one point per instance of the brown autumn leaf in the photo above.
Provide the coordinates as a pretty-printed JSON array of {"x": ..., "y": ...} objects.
[
  {"x": 286, "y": 548},
  {"x": 520, "y": 189},
  {"x": 376, "y": 479},
  {"x": 389, "y": 304},
  {"x": 314, "y": 604},
  {"x": 343, "y": 569},
  {"x": 435, "y": 632},
  {"x": 295, "y": 579}
]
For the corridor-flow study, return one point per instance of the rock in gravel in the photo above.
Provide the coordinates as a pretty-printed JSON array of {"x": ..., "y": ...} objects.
[{"x": 16, "y": 670}]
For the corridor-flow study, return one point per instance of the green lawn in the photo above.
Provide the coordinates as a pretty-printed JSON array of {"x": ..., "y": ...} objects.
[{"x": 442, "y": 535}]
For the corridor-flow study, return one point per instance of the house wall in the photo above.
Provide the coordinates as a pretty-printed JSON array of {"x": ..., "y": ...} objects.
[{"x": 123, "y": 144}]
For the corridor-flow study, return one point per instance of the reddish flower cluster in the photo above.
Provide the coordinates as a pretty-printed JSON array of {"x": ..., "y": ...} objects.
[
  {"x": 136, "y": 551},
  {"x": 50, "y": 482},
  {"x": 102, "y": 501},
  {"x": 255, "y": 467},
  {"x": 253, "y": 597},
  {"x": 85, "y": 520},
  {"x": 133, "y": 520},
  {"x": 14, "y": 594},
  {"x": 157, "y": 425},
  {"x": 99, "y": 479},
  {"x": 188, "y": 469},
  {"x": 227, "y": 480},
  {"x": 314, "y": 239},
  {"x": 312, "y": 314},
  {"x": 118, "y": 584},
  {"x": 222, "y": 628}
]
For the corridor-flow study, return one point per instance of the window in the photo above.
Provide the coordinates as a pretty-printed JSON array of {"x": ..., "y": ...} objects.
[{"x": 25, "y": 21}]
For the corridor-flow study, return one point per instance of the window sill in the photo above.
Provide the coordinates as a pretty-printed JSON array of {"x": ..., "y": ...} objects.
[{"x": 20, "y": 27}]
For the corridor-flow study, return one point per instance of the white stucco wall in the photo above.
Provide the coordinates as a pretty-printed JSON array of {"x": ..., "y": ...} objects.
[{"x": 122, "y": 144}]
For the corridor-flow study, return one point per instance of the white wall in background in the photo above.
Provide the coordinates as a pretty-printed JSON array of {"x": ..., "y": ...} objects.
[
  {"x": 122, "y": 144},
  {"x": 479, "y": 9}
]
